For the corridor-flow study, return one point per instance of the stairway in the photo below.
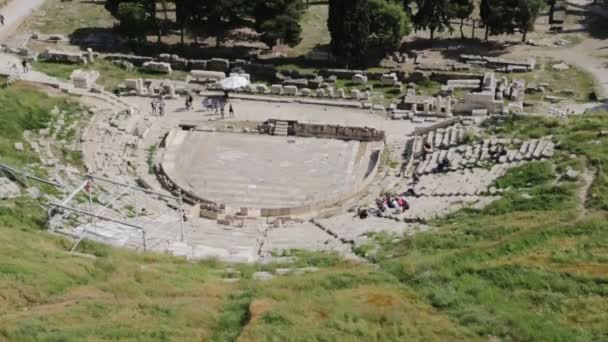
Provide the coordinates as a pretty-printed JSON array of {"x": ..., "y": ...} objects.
[{"x": 280, "y": 128}]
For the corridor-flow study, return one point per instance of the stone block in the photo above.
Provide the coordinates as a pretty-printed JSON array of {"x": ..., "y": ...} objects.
[
  {"x": 315, "y": 83},
  {"x": 8, "y": 189},
  {"x": 389, "y": 79},
  {"x": 205, "y": 75},
  {"x": 298, "y": 82},
  {"x": 359, "y": 79},
  {"x": 290, "y": 90},
  {"x": 197, "y": 64},
  {"x": 84, "y": 79},
  {"x": 218, "y": 64},
  {"x": 276, "y": 89},
  {"x": 58, "y": 56},
  {"x": 261, "y": 88},
  {"x": 159, "y": 67}
]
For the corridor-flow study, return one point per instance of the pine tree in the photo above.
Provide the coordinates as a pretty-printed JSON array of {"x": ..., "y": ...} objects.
[
  {"x": 433, "y": 15},
  {"x": 461, "y": 9},
  {"x": 349, "y": 27},
  {"x": 526, "y": 15}
]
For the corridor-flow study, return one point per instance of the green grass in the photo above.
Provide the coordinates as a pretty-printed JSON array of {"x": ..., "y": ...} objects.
[
  {"x": 24, "y": 108},
  {"x": 529, "y": 267},
  {"x": 57, "y": 16},
  {"x": 314, "y": 30},
  {"x": 536, "y": 172},
  {"x": 580, "y": 81},
  {"x": 110, "y": 74}
]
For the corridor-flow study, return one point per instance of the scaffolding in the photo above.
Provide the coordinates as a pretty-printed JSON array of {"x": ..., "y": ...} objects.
[{"x": 86, "y": 187}]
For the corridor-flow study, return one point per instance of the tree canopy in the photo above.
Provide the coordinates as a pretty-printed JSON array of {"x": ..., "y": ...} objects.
[
  {"x": 461, "y": 9},
  {"x": 275, "y": 20},
  {"x": 349, "y": 27},
  {"x": 433, "y": 15},
  {"x": 389, "y": 22}
]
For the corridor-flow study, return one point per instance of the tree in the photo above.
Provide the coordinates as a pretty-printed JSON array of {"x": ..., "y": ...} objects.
[
  {"x": 433, "y": 15},
  {"x": 389, "y": 22},
  {"x": 222, "y": 16},
  {"x": 499, "y": 16},
  {"x": 461, "y": 9},
  {"x": 283, "y": 29},
  {"x": 134, "y": 20},
  {"x": 278, "y": 20},
  {"x": 349, "y": 27},
  {"x": 526, "y": 14}
]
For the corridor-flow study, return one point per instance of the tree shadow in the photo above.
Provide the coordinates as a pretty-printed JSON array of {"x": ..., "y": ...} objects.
[
  {"x": 101, "y": 39},
  {"x": 596, "y": 24},
  {"x": 452, "y": 48}
]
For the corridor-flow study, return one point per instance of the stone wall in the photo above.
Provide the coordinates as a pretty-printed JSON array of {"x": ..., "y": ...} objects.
[
  {"x": 443, "y": 124},
  {"x": 337, "y": 132},
  {"x": 325, "y": 131}
]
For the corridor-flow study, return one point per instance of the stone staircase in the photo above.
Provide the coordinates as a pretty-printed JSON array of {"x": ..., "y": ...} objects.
[
  {"x": 481, "y": 154},
  {"x": 280, "y": 128}
]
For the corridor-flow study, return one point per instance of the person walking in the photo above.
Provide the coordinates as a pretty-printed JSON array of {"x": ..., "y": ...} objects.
[
  {"x": 231, "y": 110},
  {"x": 222, "y": 108},
  {"x": 24, "y": 66},
  {"x": 2, "y": 19},
  {"x": 162, "y": 107},
  {"x": 190, "y": 101},
  {"x": 153, "y": 104}
]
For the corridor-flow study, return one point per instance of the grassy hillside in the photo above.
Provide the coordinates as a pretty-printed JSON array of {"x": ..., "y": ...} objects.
[{"x": 532, "y": 266}]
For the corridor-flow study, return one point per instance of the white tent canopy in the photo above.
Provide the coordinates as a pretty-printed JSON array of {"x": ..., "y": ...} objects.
[{"x": 233, "y": 83}]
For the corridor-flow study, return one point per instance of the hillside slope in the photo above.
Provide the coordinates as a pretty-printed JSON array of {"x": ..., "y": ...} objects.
[{"x": 532, "y": 266}]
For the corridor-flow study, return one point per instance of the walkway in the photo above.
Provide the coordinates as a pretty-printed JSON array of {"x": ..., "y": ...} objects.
[{"x": 15, "y": 12}]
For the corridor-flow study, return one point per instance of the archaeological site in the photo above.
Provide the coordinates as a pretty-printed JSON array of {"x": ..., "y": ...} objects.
[{"x": 290, "y": 170}]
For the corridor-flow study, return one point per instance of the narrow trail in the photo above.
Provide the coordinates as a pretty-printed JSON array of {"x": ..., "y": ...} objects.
[
  {"x": 15, "y": 12},
  {"x": 587, "y": 177}
]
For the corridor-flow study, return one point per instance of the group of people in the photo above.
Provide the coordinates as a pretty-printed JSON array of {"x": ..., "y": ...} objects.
[
  {"x": 384, "y": 204},
  {"x": 389, "y": 201},
  {"x": 218, "y": 104},
  {"x": 158, "y": 106},
  {"x": 25, "y": 67}
]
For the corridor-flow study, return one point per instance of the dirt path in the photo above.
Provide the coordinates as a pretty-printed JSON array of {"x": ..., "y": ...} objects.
[
  {"x": 587, "y": 55},
  {"x": 15, "y": 12},
  {"x": 587, "y": 176}
]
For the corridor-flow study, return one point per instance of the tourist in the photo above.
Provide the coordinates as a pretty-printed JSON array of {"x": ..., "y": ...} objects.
[
  {"x": 222, "y": 110},
  {"x": 117, "y": 92},
  {"x": 381, "y": 205},
  {"x": 231, "y": 110},
  {"x": 363, "y": 213},
  {"x": 426, "y": 149},
  {"x": 153, "y": 104},
  {"x": 415, "y": 179},
  {"x": 190, "y": 101},
  {"x": 1, "y": 19},
  {"x": 161, "y": 107},
  {"x": 403, "y": 204},
  {"x": 394, "y": 203},
  {"x": 444, "y": 165},
  {"x": 25, "y": 66}
]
